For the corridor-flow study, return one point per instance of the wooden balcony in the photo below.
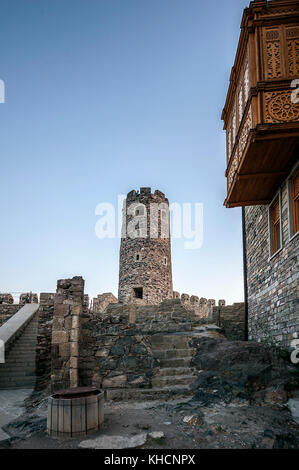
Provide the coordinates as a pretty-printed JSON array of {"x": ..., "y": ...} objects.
[{"x": 261, "y": 113}]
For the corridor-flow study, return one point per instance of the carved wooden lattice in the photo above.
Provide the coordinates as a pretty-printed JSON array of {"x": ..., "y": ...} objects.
[
  {"x": 234, "y": 127},
  {"x": 279, "y": 107},
  {"x": 240, "y": 147},
  {"x": 245, "y": 132},
  {"x": 246, "y": 83},
  {"x": 292, "y": 37},
  {"x": 273, "y": 54}
]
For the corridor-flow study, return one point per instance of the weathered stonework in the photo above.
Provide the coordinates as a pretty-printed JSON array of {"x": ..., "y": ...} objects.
[
  {"x": 273, "y": 282},
  {"x": 202, "y": 307},
  {"x": 6, "y": 299},
  {"x": 145, "y": 272},
  {"x": 7, "y": 311},
  {"x": 101, "y": 302},
  {"x": 44, "y": 340},
  {"x": 68, "y": 309},
  {"x": 231, "y": 318},
  {"x": 116, "y": 352},
  {"x": 28, "y": 298}
]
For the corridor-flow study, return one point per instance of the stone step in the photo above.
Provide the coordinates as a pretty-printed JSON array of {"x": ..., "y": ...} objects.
[
  {"x": 16, "y": 371},
  {"x": 142, "y": 394},
  {"x": 17, "y": 382},
  {"x": 11, "y": 378},
  {"x": 170, "y": 341},
  {"x": 174, "y": 371},
  {"x": 23, "y": 349},
  {"x": 18, "y": 363},
  {"x": 175, "y": 362},
  {"x": 25, "y": 355},
  {"x": 30, "y": 334},
  {"x": 17, "y": 386},
  {"x": 172, "y": 353},
  {"x": 164, "y": 381}
]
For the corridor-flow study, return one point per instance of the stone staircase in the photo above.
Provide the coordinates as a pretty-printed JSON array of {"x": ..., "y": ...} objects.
[
  {"x": 174, "y": 356},
  {"x": 174, "y": 374},
  {"x": 18, "y": 371}
]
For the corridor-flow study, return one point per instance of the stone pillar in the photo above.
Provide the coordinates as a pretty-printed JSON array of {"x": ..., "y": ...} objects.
[
  {"x": 68, "y": 308},
  {"x": 44, "y": 340}
]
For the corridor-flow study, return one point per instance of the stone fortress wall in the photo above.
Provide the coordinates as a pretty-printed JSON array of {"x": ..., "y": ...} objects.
[
  {"x": 101, "y": 302},
  {"x": 109, "y": 345},
  {"x": 145, "y": 268},
  {"x": 8, "y": 308}
]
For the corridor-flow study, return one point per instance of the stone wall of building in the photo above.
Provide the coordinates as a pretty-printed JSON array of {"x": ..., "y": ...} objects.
[
  {"x": 231, "y": 318},
  {"x": 7, "y": 311},
  {"x": 44, "y": 341},
  {"x": 68, "y": 310},
  {"x": 145, "y": 272},
  {"x": 101, "y": 302},
  {"x": 273, "y": 282}
]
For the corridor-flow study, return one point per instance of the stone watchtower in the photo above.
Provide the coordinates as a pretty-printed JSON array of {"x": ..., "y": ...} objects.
[{"x": 145, "y": 273}]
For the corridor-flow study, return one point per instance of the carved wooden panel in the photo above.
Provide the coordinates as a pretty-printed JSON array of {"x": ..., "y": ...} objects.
[
  {"x": 233, "y": 169},
  {"x": 279, "y": 107},
  {"x": 246, "y": 83},
  {"x": 273, "y": 66},
  {"x": 247, "y": 125},
  {"x": 245, "y": 132},
  {"x": 292, "y": 40}
]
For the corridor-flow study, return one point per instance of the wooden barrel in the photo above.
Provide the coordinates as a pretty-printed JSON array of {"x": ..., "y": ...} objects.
[{"x": 75, "y": 412}]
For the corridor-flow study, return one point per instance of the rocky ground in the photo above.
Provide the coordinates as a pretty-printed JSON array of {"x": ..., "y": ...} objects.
[{"x": 241, "y": 399}]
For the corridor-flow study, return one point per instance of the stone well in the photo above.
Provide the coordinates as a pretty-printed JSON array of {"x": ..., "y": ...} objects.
[{"x": 75, "y": 412}]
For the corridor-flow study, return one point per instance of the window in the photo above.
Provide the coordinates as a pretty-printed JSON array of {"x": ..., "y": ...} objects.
[
  {"x": 295, "y": 202},
  {"x": 138, "y": 257},
  {"x": 139, "y": 210},
  {"x": 138, "y": 292},
  {"x": 165, "y": 260},
  {"x": 275, "y": 226}
]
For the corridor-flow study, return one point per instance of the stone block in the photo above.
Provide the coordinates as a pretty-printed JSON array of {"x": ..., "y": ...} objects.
[
  {"x": 60, "y": 337},
  {"x": 115, "y": 382}
]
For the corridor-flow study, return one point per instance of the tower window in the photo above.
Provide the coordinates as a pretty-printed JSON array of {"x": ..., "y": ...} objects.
[
  {"x": 138, "y": 257},
  {"x": 139, "y": 210},
  {"x": 165, "y": 260},
  {"x": 138, "y": 292}
]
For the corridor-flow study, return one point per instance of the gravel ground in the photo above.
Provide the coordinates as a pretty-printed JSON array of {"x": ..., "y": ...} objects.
[{"x": 232, "y": 426}]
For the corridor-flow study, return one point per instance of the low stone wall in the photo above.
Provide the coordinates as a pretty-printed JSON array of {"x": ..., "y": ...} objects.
[
  {"x": 115, "y": 348},
  {"x": 44, "y": 340},
  {"x": 114, "y": 353},
  {"x": 232, "y": 319},
  {"x": 7, "y": 311}
]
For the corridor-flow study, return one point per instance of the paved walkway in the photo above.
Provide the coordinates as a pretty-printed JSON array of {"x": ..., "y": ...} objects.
[{"x": 11, "y": 406}]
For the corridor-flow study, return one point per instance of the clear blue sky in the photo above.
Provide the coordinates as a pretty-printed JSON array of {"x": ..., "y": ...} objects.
[{"x": 105, "y": 96}]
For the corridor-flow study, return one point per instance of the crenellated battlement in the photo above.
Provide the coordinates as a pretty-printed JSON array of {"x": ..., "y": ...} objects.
[
  {"x": 145, "y": 194},
  {"x": 203, "y": 307}
]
